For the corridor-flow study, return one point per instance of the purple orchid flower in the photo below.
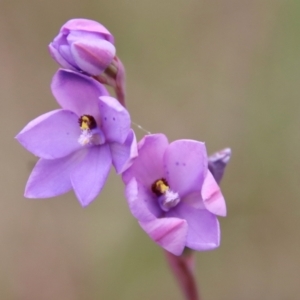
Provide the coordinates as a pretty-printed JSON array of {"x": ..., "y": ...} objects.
[
  {"x": 78, "y": 143},
  {"x": 83, "y": 45},
  {"x": 173, "y": 195}
]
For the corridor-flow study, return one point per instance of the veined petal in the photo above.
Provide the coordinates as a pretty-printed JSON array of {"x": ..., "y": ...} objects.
[
  {"x": 142, "y": 203},
  {"x": 51, "y": 135},
  {"x": 203, "y": 226},
  {"x": 90, "y": 174},
  {"x": 78, "y": 93},
  {"x": 186, "y": 166},
  {"x": 212, "y": 196},
  {"x": 123, "y": 154},
  {"x": 50, "y": 178},
  {"x": 169, "y": 233},
  {"x": 115, "y": 119},
  {"x": 148, "y": 166},
  {"x": 87, "y": 25}
]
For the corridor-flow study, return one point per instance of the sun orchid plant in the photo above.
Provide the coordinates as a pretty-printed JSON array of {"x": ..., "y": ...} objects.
[{"x": 172, "y": 188}]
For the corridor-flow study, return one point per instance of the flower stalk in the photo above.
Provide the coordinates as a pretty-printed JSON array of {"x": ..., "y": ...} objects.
[
  {"x": 114, "y": 76},
  {"x": 183, "y": 269}
]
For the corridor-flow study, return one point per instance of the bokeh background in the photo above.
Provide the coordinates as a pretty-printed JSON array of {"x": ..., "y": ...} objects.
[{"x": 226, "y": 72}]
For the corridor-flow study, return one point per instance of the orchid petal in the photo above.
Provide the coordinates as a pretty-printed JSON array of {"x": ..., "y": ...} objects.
[
  {"x": 148, "y": 166},
  {"x": 203, "y": 226},
  {"x": 123, "y": 154},
  {"x": 50, "y": 178},
  {"x": 169, "y": 233},
  {"x": 92, "y": 55},
  {"x": 212, "y": 196},
  {"x": 51, "y": 135},
  {"x": 80, "y": 35},
  {"x": 115, "y": 120},
  {"x": 87, "y": 25},
  {"x": 78, "y": 93},
  {"x": 186, "y": 166},
  {"x": 59, "y": 58},
  {"x": 141, "y": 201},
  {"x": 90, "y": 174},
  {"x": 65, "y": 52}
]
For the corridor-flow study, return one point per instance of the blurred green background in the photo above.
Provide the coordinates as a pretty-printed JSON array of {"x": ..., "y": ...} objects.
[{"x": 224, "y": 72}]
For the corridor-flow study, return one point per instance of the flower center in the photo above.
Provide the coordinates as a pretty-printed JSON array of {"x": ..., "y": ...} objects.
[
  {"x": 87, "y": 122},
  {"x": 90, "y": 133},
  {"x": 166, "y": 197}
]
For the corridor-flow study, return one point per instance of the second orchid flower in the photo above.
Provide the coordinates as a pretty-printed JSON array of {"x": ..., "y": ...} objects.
[{"x": 78, "y": 143}]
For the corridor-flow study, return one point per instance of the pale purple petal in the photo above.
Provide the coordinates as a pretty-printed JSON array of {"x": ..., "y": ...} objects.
[
  {"x": 123, "y": 154},
  {"x": 195, "y": 200},
  {"x": 50, "y": 178},
  {"x": 212, "y": 196},
  {"x": 203, "y": 226},
  {"x": 90, "y": 174},
  {"x": 93, "y": 57},
  {"x": 65, "y": 52},
  {"x": 51, "y": 135},
  {"x": 81, "y": 35},
  {"x": 142, "y": 203},
  {"x": 59, "y": 40},
  {"x": 169, "y": 233},
  {"x": 61, "y": 45},
  {"x": 78, "y": 93},
  {"x": 186, "y": 166},
  {"x": 115, "y": 120},
  {"x": 87, "y": 25},
  {"x": 59, "y": 58},
  {"x": 91, "y": 53},
  {"x": 148, "y": 166}
]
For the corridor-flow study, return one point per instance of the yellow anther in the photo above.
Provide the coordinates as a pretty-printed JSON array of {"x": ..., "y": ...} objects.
[
  {"x": 160, "y": 187},
  {"x": 84, "y": 123},
  {"x": 87, "y": 122}
]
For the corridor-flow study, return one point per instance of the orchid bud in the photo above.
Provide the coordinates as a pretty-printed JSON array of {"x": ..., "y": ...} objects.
[
  {"x": 217, "y": 163},
  {"x": 83, "y": 45}
]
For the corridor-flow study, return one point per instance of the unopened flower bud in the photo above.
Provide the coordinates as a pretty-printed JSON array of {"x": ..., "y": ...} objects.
[
  {"x": 218, "y": 162},
  {"x": 83, "y": 45}
]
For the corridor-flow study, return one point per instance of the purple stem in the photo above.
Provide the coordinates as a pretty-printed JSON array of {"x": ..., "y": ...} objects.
[
  {"x": 114, "y": 76},
  {"x": 183, "y": 269}
]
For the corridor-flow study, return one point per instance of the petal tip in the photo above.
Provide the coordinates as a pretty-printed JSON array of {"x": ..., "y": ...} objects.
[
  {"x": 29, "y": 194},
  {"x": 84, "y": 201}
]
